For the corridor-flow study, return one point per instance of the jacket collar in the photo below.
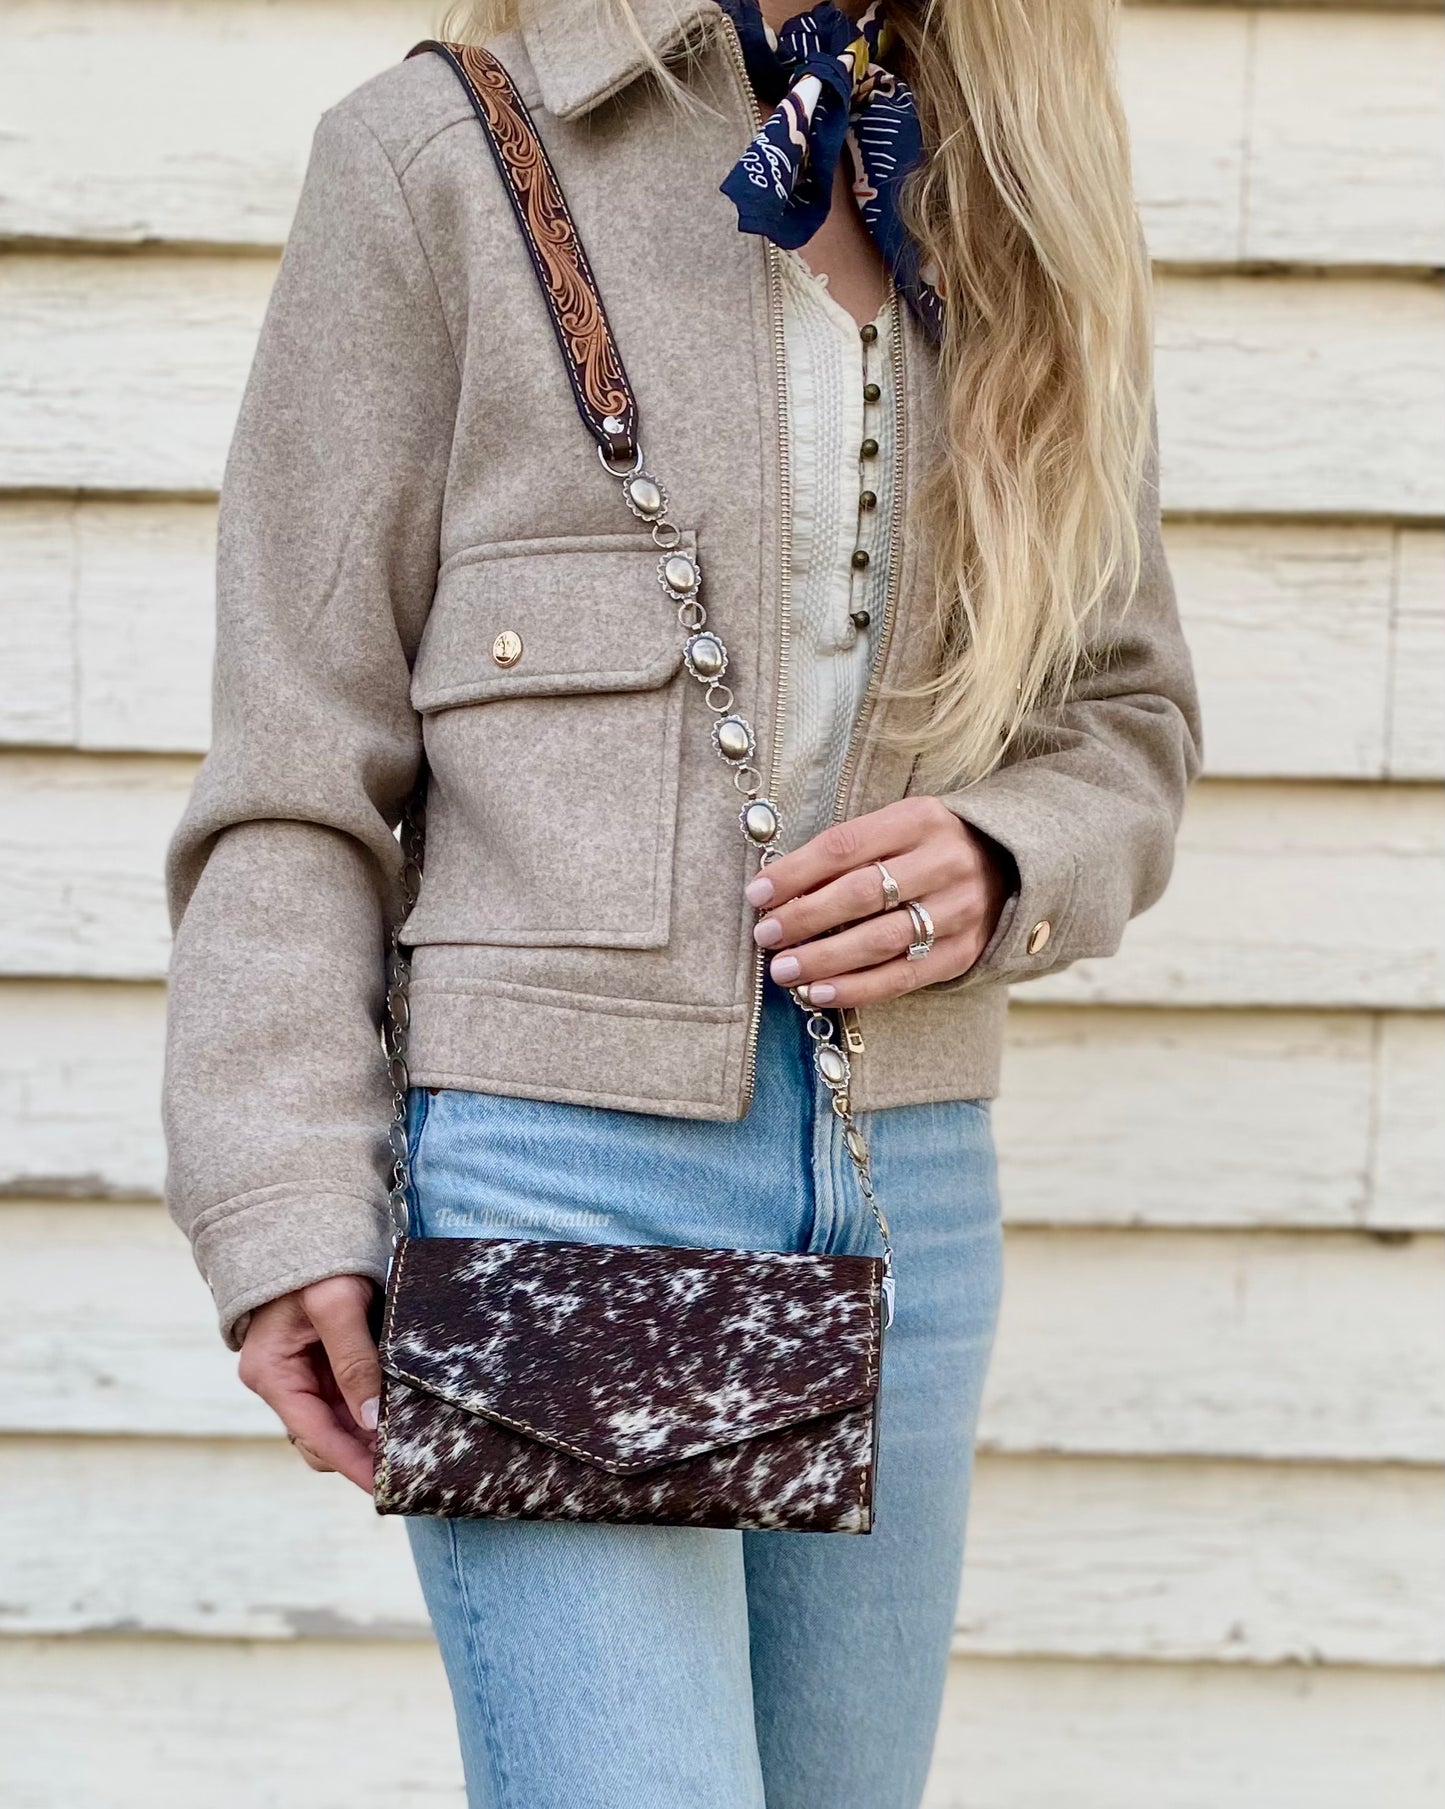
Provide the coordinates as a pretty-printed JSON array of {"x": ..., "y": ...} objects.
[{"x": 582, "y": 56}]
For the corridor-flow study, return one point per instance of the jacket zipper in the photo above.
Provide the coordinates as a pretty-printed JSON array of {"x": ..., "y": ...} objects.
[
  {"x": 852, "y": 1032},
  {"x": 785, "y": 526}
]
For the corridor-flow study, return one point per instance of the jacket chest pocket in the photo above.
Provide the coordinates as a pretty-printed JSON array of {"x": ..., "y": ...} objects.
[{"x": 551, "y": 688}]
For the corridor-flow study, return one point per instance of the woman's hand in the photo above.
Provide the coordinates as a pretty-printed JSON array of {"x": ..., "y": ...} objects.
[
  {"x": 311, "y": 1358},
  {"x": 960, "y": 877}
]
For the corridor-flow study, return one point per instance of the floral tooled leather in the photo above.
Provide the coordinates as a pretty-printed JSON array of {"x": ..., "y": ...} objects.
[
  {"x": 594, "y": 364},
  {"x": 654, "y": 1384}
]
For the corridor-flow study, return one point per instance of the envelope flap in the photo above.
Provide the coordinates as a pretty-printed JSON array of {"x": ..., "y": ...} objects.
[{"x": 628, "y": 1357}]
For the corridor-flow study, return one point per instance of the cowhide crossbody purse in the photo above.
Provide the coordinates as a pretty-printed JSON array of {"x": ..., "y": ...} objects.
[{"x": 717, "y": 1388}]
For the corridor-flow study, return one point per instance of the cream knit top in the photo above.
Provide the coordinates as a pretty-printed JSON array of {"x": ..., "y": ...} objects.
[{"x": 840, "y": 400}]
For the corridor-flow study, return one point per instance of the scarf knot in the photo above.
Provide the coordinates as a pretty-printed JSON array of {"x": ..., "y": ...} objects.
[{"x": 825, "y": 78}]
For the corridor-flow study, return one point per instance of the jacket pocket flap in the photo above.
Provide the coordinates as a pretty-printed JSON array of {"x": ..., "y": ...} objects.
[
  {"x": 548, "y": 618},
  {"x": 633, "y": 1357}
]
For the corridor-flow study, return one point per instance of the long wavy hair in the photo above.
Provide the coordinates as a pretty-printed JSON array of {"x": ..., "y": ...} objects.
[{"x": 1025, "y": 214}]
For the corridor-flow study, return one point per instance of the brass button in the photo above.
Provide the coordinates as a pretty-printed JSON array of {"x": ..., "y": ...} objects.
[
  {"x": 871, "y": 392},
  {"x": 860, "y": 618},
  {"x": 869, "y": 448},
  {"x": 868, "y": 500},
  {"x": 868, "y": 334},
  {"x": 1039, "y": 935},
  {"x": 860, "y": 560},
  {"x": 507, "y": 648}
]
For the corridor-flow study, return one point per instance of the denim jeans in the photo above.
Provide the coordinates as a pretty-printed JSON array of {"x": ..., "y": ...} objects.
[{"x": 608, "y": 1667}]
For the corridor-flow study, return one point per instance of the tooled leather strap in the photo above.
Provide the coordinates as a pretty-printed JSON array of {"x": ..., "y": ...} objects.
[{"x": 594, "y": 365}]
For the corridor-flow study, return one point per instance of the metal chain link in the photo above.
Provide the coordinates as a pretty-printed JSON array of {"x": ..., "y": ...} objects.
[{"x": 396, "y": 1018}]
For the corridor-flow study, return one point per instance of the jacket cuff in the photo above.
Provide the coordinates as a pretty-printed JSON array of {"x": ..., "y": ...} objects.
[
  {"x": 260, "y": 1245},
  {"x": 1028, "y": 938}
]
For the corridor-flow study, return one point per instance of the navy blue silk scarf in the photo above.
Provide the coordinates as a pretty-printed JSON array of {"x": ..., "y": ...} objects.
[{"x": 829, "y": 91}]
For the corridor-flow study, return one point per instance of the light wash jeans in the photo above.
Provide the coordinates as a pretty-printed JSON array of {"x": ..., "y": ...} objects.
[{"x": 608, "y": 1667}]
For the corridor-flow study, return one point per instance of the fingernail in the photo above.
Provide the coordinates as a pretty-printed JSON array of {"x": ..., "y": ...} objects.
[
  {"x": 369, "y": 1411},
  {"x": 785, "y": 968},
  {"x": 766, "y": 933},
  {"x": 821, "y": 993},
  {"x": 759, "y": 891}
]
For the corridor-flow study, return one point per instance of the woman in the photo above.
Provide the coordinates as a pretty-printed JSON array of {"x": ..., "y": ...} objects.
[{"x": 918, "y": 471}]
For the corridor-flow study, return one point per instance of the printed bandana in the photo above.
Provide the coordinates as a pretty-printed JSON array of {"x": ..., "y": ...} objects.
[{"x": 822, "y": 75}]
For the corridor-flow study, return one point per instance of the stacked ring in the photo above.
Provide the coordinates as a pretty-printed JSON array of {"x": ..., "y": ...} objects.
[
  {"x": 892, "y": 897},
  {"x": 922, "y": 943}
]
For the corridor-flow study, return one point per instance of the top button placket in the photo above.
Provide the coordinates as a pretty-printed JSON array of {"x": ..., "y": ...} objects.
[{"x": 859, "y": 614}]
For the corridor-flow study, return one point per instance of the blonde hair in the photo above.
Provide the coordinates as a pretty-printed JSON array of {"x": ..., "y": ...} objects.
[{"x": 1024, "y": 210}]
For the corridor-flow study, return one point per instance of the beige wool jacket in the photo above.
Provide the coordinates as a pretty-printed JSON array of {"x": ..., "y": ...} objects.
[{"x": 408, "y": 479}]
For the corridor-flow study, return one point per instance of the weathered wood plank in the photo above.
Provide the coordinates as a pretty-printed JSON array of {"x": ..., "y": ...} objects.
[
  {"x": 38, "y": 675},
  {"x": 1225, "y": 1563},
  {"x": 1189, "y": 139},
  {"x": 1296, "y": 137},
  {"x": 1416, "y": 710},
  {"x": 1409, "y": 1141},
  {"x": 1209, "y": 1562},
  {"x": 80, "y": 1089},
  {"x": 106, "y": 638},
  {"x": 1206, "y": 1118},
  {"x": 82, "y": 849},
  {"x": 1278, "y": 395},
  {"x": 108, "y": 624},
  {"x": 163, "y": 1724},
  {"x": 1113, "y": 1342},
  {"x": 1345, "y": 119},
  {"x": 1289, "y": 626},
  {"x": 124, "y": 373},
  {"x": 118, "y": 131},
  {"x": 168, "y": 1725},
  {"x": 1203, "y": 1118},
  {"x": 1297, "y": 395},
  {"x": 1036, "y": 1736},
  {"x": 1298, "y": 895},
  {"x": 1179, "y": 1341}
]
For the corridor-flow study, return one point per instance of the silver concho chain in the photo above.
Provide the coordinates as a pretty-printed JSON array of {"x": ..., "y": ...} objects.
[{"x": 734, "y": 741}]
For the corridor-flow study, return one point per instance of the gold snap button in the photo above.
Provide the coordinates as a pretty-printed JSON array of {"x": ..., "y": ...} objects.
[
  {"x": 507, "y": 648},
  {"x": 1039, "y": 935}
]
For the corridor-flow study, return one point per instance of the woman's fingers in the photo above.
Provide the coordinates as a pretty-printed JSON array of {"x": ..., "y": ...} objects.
[
  {"x": 866, "y": 944},
  {"x": 853, "y": 896},
  {"x": 287, "y": 1360},
  {"x": 950, "y": 957},
  {"x": 290, "y": 1390},
  {"x": 843, "y": 846},
  {"x": 339, "y": 1308}
]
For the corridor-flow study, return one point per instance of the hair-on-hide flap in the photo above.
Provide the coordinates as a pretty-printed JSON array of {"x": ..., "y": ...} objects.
[{"x": 572, "y": 1381}]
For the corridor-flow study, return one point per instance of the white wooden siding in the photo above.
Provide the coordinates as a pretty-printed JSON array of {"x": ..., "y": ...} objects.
[
  {"x": 1319, "y": 647},
  {"x": 167, "y": 1728},
  {"x": 1204, "y": 1569},
  {"x": 1277, "y": 394},
  {"x": 1185, "y": 1562},
  {"x": 1292, "y": 138},
  {"x": 1299, "y": 1119},
  {"x": 1347, "y": 912},
  {"x": 1165, "y": 1343}
]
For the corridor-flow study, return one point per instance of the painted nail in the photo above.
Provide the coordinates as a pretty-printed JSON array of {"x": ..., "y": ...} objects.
[
  {"x": 820, "y": 993},
  {"x": 785, "y": 968},
  {"x": 758, "y": 891},
  {"x": 766, "y": 933},
  {"x": 369, "y": 1410}
]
